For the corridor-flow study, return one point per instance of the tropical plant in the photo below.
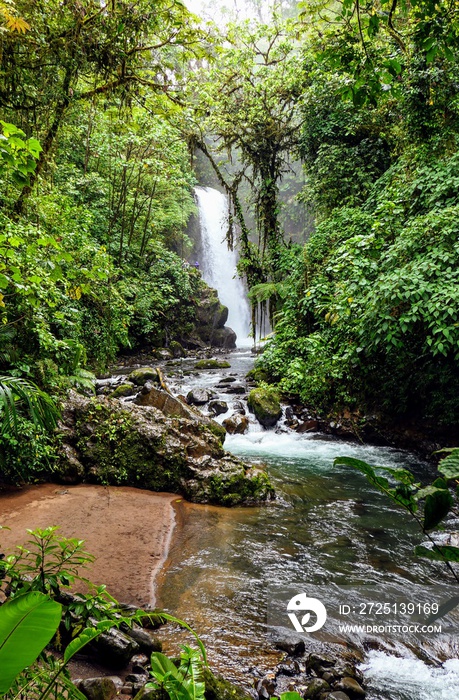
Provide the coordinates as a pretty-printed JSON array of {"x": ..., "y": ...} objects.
[
  {"x": 33, "y": 578},
  {"x": 17, "y": 394},
  {"x": 27, "y": 624},
  {"x": 182, "y": 682}
]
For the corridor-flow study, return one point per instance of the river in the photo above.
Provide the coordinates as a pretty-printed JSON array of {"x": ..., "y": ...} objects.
[{"x": 328, "y": 525}]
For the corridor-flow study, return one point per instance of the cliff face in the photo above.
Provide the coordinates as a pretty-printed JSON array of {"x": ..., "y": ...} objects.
[{"x": 105, "y": 441}]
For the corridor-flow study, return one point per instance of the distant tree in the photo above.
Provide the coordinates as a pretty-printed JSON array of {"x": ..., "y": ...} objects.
[{"x": 80, "y": 49}]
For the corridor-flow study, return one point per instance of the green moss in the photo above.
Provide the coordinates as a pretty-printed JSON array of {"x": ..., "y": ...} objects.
[
  {"x": 212, "y": 364},
  {"x": 258, "y": 375},
  {"x": 265, "y": 403},
  {"x": 143, "y": 374},
  {"x": 217, "y": 688},
  {"x": 123, "y": 390}
]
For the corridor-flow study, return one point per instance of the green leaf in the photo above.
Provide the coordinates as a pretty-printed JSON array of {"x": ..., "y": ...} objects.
[
  {"x": 437, "y": 507},
  {"x": 79, "y": 642},
  {"x": 449, "y": 466},
  {"x": 27, "y": 624},
  {"x": 161, "y": 666},
  {"x": 440, "y": 553}
]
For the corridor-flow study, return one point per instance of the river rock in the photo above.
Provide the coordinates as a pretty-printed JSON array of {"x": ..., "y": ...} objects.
[
  {"x": 226, "y": 380},
  {"x": 212, "y": 364},
  {"x": 126, "y": 389},
  {"x": 143, "y": 374},
  {"x": 292, "y": 644},
  {"x": 238, "y": 407},
  {"x": 217, "y": 407},
  {"x": 316, "y": 661},
  {"x": 115, "y": 648},
  {"x": 236, "y": 389},
  {"x": 127, "y": 444},
  {"x": 315, "y": 687},
  {"x": 236, "y": 424},
  {"x": 98, "y": 688},
  {"x": 177, "y": 349},
  {"x": 266, "y": 406},
  {"x": 199, "y": 397},
  {"x": 309, "y": 426},
  {"x": 351, "y": 687},
  {"x": 146, "y": 643},
  {"x": 338, "y": 695}
]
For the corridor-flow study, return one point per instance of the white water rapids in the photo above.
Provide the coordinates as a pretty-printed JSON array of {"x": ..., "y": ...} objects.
[{"x": 218, "y": 264}]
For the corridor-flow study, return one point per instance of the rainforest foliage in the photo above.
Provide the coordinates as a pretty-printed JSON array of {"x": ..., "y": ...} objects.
[{"x": 103, "y": 107}]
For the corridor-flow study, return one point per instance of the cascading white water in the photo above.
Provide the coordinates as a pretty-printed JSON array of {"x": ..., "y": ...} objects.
[{"x": 219, "y": 263}]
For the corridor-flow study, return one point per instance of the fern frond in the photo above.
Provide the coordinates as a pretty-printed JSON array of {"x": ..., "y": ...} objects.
[{"x": 16, "y": 393}]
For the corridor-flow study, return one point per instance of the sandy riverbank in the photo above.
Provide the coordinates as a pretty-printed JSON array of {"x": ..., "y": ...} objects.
[{"x": 128, "y": 530}]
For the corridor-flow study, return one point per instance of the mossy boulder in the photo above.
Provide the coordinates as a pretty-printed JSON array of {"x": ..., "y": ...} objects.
[
  {"x": 125, "y": 444},
  {"x": 126, "y": 389},
  {"x": 212, "y": 364},
  {"x": 176, "y": 349},
  {"x": 265, "y": 403},
  {"x": 143, "y": 374}
]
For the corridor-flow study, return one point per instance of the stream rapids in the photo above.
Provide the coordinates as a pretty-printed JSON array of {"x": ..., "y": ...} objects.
[{"x": 328, "y": 525}]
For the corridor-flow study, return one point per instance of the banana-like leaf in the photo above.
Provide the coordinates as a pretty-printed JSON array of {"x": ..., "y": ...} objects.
[
  {"x": 449, "y": 466},
  {"x": 438, "y": 504},
  {"x": 27, "y": 624}
]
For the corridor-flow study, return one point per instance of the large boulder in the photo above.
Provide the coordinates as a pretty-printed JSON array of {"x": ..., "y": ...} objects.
[
  {"x": 199, "y": 397},
  {"x": 264, "y": 402},
  {"x": 236, "y": 424},
  {"x": 126, "y": 444}
]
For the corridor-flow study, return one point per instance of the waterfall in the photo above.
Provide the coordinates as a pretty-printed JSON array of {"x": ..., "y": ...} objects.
[{"x": 218, "y": 264}]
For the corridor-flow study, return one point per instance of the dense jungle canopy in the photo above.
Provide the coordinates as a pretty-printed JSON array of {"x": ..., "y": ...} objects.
[{"x": 104, "y": 108}]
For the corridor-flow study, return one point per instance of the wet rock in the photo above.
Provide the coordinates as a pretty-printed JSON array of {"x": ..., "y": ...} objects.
[
  {"x": 143, "y": 374},
  {"x": 218, "y": 407},
  {"x": 236, "y": 424},
  {"x": 292, "y": 644},
  {"x": 309, "y": 426},
  {"x": 135, "y": 678},
  {"x": 98, "y": 688},
  {"x": 347, "y": 669},
  {"x": 266, "y": 406},
  {"x": 338, "y": 695},
  {"x": 316, "y": 661},
  {"x": 236, "y": 389},
  {"x": 212, "y": 364},
  {"x": 268, "y": 683},
  {"x": 238, "y": 407},
  {"x": 139, "y": 660},
  {"x": 147, "y": 644},
  {"x": 226, "y": 380},
  {"x": 315, "y": 688},
  {"x": 199, "y": 397},
  {"x": 288, "y": 669},
  {"x": 351, "y": 687},
  {"x": 115, "y": 648},
  {"x": 176, "y": 349},
  {"x": 126, "y": 389}
]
